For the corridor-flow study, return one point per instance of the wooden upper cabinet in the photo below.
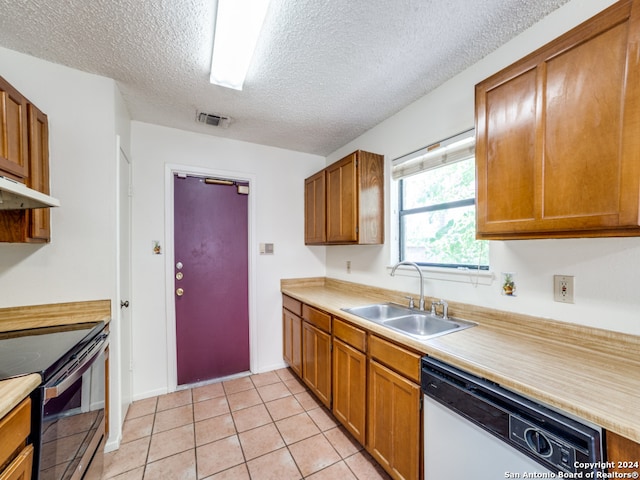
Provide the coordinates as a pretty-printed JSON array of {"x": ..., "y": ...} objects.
[
  {"x": 342, "y": 201},
  {"x": 13, "y": 132},
  {"x": 31, "y": 225},
  {"x": 38, "y": 219},
  {"x": 558, "y": 135},
  {"x": 315, "y": 209},
  {"x": 353, "y": 209}
]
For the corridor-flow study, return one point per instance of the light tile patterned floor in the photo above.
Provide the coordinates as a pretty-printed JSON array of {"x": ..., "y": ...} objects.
[{"x": 260, "y": 427}]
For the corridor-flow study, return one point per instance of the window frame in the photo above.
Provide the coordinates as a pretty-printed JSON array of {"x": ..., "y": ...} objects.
[{"x": 402, "y": 213}]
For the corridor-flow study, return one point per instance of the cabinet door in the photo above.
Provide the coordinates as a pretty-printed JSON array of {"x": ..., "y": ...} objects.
[
  {"x": 349, "y": 388},
  {"x": 292, "y": 341},
  {"x": 20, "y": 468},
  {"x": 13, "y": 132},
  {"x": 316, "y": 362},
  {"x": 14, "y": 430},
  {"x": 394, "y": 422},
  {"x": 558, "y": 135},
  {"x": 342, "y": 201},
  {"x": 623, "y": 453},
  {"x": 315, "y": 209},
  {"x": 38, "y": 219}
]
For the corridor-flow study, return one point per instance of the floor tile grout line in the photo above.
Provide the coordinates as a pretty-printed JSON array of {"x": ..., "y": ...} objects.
[{"x": 273, "y": 421}]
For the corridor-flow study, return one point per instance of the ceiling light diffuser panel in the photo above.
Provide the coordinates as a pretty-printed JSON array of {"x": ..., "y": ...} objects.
[{"x": 238, "y": 25}]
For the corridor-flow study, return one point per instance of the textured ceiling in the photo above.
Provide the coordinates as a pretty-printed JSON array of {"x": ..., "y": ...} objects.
[{"x": 325, "y": 71}]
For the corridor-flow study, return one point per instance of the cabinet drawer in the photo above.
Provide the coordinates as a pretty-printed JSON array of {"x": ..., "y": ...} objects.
[
  {"x": 291, "y": 304},
  {"x": 320, "y": 319},
  {"x": 397, "y": 358},
  {"x": 349, "y": 334},
  {"x": 14, "y": 429},
  {"x": 20, "y": 468}
]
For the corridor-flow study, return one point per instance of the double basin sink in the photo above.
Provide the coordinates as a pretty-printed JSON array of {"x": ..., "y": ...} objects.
[{"x": 414, "y": 323}]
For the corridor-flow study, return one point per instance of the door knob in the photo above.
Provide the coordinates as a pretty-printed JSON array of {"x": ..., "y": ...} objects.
[
  {"x": 180, "y": 292},
  {"x": 124, "y": 304}
]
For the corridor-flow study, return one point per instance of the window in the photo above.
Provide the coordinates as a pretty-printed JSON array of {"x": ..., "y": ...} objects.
[{"x": 437, "y": 213}]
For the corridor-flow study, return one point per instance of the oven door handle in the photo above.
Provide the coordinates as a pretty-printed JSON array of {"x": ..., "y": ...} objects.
[{"x": 57, "y": 389}]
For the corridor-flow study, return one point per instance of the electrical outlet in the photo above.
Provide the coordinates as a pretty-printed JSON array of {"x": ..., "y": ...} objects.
[
  {"x": 348, "y": 266},
  {"x": 563, "y": 288}
]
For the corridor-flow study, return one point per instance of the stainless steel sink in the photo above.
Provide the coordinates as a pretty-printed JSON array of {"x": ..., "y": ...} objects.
[
  {"x": 415, "y": 323},
  {"x": 379, "y": 311}
]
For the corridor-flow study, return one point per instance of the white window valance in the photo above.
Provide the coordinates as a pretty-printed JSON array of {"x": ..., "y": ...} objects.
[{"x": 454, "y": 149}]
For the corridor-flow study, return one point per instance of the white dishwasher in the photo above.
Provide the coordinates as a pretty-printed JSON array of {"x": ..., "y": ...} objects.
[{"x": 475, "y": 429}]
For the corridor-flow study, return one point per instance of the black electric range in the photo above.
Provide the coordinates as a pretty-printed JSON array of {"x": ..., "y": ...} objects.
[
  {"x": 43, "y": 350},
  {"x": 68, "y": 408}
]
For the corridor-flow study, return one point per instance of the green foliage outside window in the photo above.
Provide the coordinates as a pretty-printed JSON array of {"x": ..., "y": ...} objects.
[{"x": 438, "y": 217}]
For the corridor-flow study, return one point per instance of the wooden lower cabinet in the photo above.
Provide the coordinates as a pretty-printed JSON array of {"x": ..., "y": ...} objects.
[
  {"x": 20, "y": 468},
  {"x": 316, "y": 362},
  {"x": 394, "y": 422},
  {"x": 292, "y": 341},
  {"x": 350, "y": 388},
  {"x": 623, "y": 453},
  {"x": 370, "y": 384},
  {"x": 16, "y": 456}
]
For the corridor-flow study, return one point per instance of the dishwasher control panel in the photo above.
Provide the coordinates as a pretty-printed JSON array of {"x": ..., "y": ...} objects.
[
  {"x": 542, "y": 443},
  {"x": 555, "y": 440}
]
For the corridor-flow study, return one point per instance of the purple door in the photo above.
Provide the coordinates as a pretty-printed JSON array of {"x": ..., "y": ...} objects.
[{"x": 211, "y": 280}]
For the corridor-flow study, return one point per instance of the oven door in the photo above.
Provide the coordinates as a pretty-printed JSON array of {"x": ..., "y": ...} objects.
[{"x": 73, "y": 417}]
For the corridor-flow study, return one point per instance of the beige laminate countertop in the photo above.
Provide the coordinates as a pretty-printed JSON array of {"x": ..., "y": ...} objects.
[
  {"x": 14, "y": 390},
  {"x": 591, "y": 373}
]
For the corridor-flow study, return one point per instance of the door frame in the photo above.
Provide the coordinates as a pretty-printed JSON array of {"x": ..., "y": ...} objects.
[
  {"x": 124, "y": 328},
  {"x": 170, "y": 170}
]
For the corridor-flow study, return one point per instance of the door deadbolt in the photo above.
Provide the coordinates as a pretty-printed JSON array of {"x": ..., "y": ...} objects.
[
  {"x": 179, "y": 276},
  {"x": 180, "y": 292}
]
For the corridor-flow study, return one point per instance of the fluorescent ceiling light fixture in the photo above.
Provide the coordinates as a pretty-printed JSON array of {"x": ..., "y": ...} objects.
[{"x": 238, "y": 25}]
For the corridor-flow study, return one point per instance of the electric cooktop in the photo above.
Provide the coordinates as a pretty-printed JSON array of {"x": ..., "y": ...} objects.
[{"x": 42, "y": 350}]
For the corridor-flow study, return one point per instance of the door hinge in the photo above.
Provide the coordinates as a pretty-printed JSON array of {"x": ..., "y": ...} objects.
[{"x": 421, "y": 401}]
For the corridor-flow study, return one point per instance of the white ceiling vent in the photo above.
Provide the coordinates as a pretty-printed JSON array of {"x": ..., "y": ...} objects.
[{"x": 213, "y": 119}]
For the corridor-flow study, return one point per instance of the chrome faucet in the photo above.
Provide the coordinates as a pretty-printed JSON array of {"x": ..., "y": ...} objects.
[
  {"x": 412, "y": 264},
  {"x": 445, "y": 308}
]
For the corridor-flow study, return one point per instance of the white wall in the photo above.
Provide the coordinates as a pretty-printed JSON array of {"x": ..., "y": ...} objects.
[
  {"x": 606, "y": 270},
  {"x": 85, "y": 113},
  {"x": 279, "y": 218},
  {"x": 79, "y": 263}
]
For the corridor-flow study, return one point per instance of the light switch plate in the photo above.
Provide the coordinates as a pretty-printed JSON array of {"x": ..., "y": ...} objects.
[
  {"x": 563, "y": 288},
  {"x": 266, "y": 249}
]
